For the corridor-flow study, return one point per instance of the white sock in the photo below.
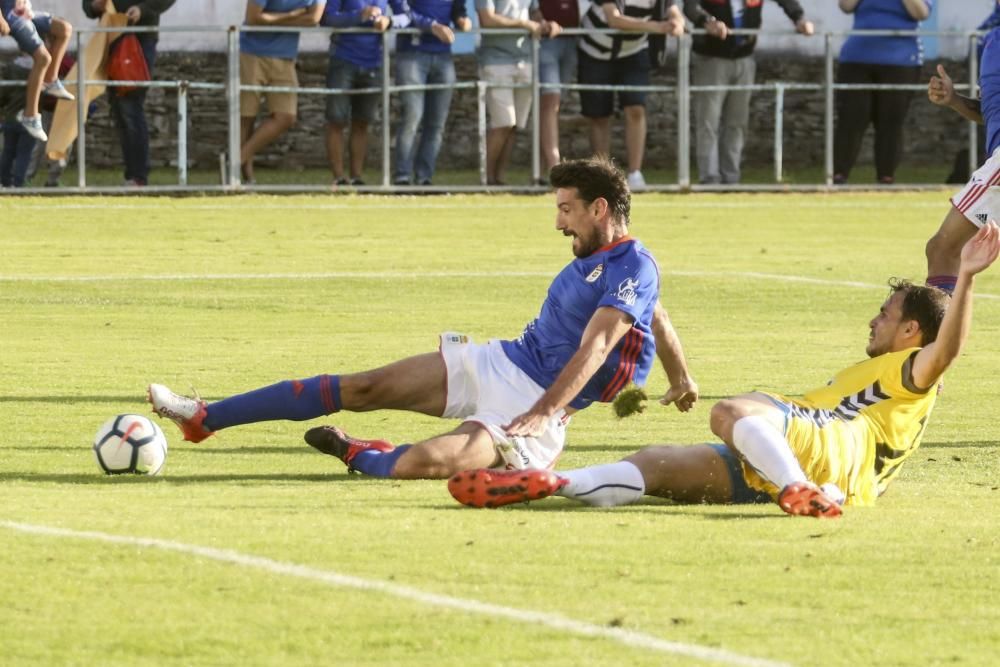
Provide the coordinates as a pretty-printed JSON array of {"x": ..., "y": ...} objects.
[
  {"x": 605, "y": 485},
  {"x": 767, "y": 451}
]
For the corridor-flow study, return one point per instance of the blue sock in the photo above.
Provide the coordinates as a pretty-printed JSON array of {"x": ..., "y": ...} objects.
[
  {"x": 378, "y": 464},
  {"x": 946, "y": 283},
  {"x": 296, "y": 400}
]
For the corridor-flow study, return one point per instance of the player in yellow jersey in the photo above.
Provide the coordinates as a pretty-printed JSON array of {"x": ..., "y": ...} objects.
[{"x": 841, "y": 443}]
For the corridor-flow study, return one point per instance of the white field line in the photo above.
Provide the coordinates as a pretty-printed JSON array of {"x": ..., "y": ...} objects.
[
  {"x": 554, "y": 621},
  {"x": 416, "y": 275}
]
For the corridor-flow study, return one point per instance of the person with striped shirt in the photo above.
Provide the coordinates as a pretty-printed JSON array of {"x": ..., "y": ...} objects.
[{"x": 620, "y": 60}]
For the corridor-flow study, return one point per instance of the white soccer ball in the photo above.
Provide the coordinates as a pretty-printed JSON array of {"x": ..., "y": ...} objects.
[{"x": 130, "y": 443}]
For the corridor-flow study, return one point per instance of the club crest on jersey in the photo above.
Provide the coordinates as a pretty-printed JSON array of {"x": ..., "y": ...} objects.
[
  {"x": 626, "y": 291},
  {"x": 596, "y": 273}
]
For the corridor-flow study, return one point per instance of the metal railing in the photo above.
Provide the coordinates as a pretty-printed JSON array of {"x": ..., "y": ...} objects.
[{"x": 683, "y": 91}]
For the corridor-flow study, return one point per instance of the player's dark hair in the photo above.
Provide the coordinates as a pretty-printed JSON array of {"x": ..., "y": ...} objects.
[
  {"x": 593, "y": 178},
  {"x": 922, "y": 303}
]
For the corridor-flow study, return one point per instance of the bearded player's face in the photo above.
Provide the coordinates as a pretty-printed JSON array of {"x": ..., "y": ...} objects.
[{"x": 579, "y": 220}]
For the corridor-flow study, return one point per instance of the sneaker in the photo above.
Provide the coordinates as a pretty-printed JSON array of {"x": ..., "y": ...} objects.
[
  {"x": 33, "y": 125},
  {"x": 806, "y": 499},
  {"x": 334, "y": 442},
  {"x": 187, "y": 413},
  {"x": 356, "y": 182},
  {"x": 57, "y": 89},
  {"x": 401, "y": 180},
  {"x": 635, "y": 180},
  {"x": 341, "y": 181},
  {"x": 496, "y": 488}
]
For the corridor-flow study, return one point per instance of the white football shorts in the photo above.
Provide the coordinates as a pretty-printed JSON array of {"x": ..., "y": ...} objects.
[
  {"x": 485, "y": 387},
  {"x": 979, "y": 200}
]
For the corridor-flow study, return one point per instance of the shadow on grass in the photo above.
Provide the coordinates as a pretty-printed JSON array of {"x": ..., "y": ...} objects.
[
  {"x": 979, "y": 444},
  {"x": 662, "y": 508},
  {"x": 188, "y": 449},
  {"x": 76, "y": 398}
]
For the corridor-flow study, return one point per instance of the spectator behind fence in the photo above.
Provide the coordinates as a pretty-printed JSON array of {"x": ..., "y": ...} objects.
[
  {"x": 17, "y": 141},
  {"x": 268, "y": 59},
  {"x": 556, "y": 65},
  {"x": 355, "y": 64},
  {"x": 28, "y": 27},
  {"x": 722, "y": 59},
  {"x": 425, "y": 59},
  {"x": 128, "y": 108},
  {"x": 876, "y": 60},
  {"x": 621, "y": 60},
  {"x": 47, "y": 105},
  {"x": 505, "y": 65}
]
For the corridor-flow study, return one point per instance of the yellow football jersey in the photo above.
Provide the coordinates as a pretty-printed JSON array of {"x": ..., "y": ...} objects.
[{"x": 859, "y": 429}]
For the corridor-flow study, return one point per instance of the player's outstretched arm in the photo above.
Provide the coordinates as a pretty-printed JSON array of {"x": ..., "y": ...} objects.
[
  {"x": 933, "y": 360},
  {"x": 683, "y": 391},
  {"x": 941, "y": 91},
  {"x": 605, "y": 329}
]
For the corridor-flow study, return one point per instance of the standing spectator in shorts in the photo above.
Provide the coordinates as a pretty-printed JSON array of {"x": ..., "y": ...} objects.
[
  {"x": 556, "y": 64},
  {"x": 620, "y": 60},
  {"x": 721, "y": 116},
  {"x": 425, "y": 59},
  {"x": 129, "y": 109},
  {"x": 268, "y": 59},
  {"x": 28, "y": 28},
  {"x": 505, "y": 62},
  {"x": 355, "y": 63},
  {"x": 876, "y": 60}
]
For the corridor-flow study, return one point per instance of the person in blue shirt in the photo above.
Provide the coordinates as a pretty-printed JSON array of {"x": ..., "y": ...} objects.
[
  {"x": 869, "y": 59},
  {"x": 356, "y": 63},
  {"x": 420, "y": 60},
  {"x": 979, "y": 201},
  {"x": 268, "y": 59},
  {"x": 599, "y": 328}
]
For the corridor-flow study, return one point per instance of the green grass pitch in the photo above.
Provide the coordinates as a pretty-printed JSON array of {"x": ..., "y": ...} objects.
[{"x": 99, "y": 297}]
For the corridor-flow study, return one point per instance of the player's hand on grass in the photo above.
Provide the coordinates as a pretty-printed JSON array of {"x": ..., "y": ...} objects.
[
  {"x": 941, "y": 89},
  {"x": 982, "y": 249},
  {"x": 683, "y": 394}
]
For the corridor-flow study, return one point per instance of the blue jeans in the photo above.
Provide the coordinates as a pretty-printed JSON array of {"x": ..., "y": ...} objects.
[
  {"x": 129, "y": 113},
  {"x": 423, "y": 110},
  {"x": 17, "y": 147}
]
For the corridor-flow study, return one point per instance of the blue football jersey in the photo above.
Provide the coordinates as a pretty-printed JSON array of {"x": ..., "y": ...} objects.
[
  {"x": 989, "y": 89},
  {"x": 621, "y": 275}
]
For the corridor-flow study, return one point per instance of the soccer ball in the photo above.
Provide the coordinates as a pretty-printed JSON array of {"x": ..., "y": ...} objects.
[{"x": 130, "y": 443}]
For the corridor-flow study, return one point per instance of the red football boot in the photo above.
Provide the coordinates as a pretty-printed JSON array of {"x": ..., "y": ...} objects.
[
  {"x": 187, "y": 413},
  {"x": 496, "y": 488},
  {"x": 806, "y": 499},
  {"x": 334, "y": 442}
]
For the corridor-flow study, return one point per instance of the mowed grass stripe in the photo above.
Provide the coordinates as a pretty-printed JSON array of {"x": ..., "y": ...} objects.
[{"x": 629, "y": 638}]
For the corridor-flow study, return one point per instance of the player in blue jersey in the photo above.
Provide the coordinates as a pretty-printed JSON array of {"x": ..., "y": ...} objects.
[
  {"x": 979, "y": 200},
  {"x": 599, "y": 328}
]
